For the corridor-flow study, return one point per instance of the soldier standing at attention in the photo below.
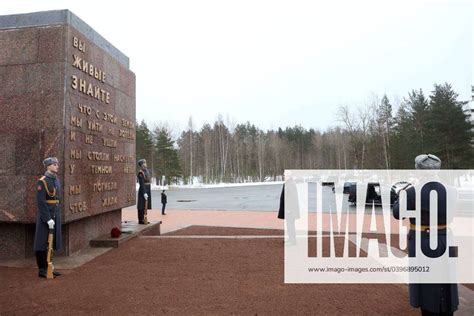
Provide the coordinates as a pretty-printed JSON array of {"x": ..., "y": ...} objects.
[
  {"x": 431, "y": 298},
  {"x": 144, "y": 191},
  {"x": 48, "y": 215}
]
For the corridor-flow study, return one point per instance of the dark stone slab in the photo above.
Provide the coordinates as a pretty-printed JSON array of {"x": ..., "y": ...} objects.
[
  {"x": 52, "y": 41},
  {"x": 129, "y": 231},
  {"x": 114, "y": 71},
  {"x": 62, "y": 17},
  {"x": 127, "y": 82},
  {"x": 22, "y": 46},
  {"x": 11, "y": 236},
  {"x": 81, "y": 232},
  {"x": 7, "y": 159},
  {"x": 34, "y": 19}
]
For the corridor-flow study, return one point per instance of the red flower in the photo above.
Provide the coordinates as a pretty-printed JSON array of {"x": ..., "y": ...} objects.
[{"x": 115, "y": 232}]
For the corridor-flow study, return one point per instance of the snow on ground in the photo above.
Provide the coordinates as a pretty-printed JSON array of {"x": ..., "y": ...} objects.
[
  {"x": 222, "y": 185},
  {"x": 155, "y": 187},
  {"x": 466, "y": 183}
]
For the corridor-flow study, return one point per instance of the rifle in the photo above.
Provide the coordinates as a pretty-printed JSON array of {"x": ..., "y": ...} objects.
[
  {"x": 49, "y": 273},
  {"x": 145, "y": 219}
]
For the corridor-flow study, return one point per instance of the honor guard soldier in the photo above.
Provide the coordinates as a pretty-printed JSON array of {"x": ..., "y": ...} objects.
[
  {"x": 48, "y": 217},
  {"x": 432, "y": 299},
  {"x": 144, "y": 191}
]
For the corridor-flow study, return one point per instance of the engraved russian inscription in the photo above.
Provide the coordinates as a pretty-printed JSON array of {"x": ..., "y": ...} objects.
[
  {"x": 89, "y": 139},
  {"x": 74, "y": 189},
  {"x": 100, "y": 146}
]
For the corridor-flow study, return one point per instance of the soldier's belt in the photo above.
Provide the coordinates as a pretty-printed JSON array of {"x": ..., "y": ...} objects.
[
  {"x": 52, "y": 201},
  {"x": 426, "y": 227},
  {"x": 147, "y": 183}
]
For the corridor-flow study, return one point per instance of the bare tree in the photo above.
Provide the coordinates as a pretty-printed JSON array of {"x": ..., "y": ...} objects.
[
  {"x": 364, "y": 125},
  {"x": 260, "y": 154},
  {"x": 223, "y": 143},
  {"x": 191, "y": 131},
  {"x": 357, "y": 128}
]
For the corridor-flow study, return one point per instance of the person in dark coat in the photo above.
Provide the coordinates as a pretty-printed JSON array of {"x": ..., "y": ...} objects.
[
  {"x": 292, "y": 214},
  {"x": 432, "y": 299},
  {"x": 144, "y": 191},
  {"x": 48, "y": 215},
  {"x": 281, "y": 209},
  {"x": 164, "y": 200}
]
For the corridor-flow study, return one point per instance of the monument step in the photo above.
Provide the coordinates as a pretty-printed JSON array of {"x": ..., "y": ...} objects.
[{"x": 129, "y": 230}]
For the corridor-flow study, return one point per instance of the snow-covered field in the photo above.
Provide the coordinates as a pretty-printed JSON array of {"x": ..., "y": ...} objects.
[
  {"x": 155, "y": 187},
  {"x": 466, "y": 184}
]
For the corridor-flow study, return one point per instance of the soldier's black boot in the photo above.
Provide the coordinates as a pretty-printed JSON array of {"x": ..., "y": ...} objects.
[
  {"x": 41, "y": 261},
  {"x": 42, "y": 273},
  {"x": 141, "y": 216}
]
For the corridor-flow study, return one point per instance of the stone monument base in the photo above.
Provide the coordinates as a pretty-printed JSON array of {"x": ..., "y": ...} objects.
[{"x": 17, "y": 239}]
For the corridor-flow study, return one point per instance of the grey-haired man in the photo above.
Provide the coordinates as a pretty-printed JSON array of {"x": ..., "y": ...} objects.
[{"x": 49, "y": 214}]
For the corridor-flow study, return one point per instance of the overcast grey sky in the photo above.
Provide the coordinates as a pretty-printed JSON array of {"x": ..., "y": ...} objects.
[{"x": 278, "y": 63}]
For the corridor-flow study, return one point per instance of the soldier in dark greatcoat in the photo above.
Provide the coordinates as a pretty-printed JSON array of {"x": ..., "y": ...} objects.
[
  {"x": 432, "y": 299},
  {"x": 48, "y": 215},
  {"x": 144, "y": 191}
]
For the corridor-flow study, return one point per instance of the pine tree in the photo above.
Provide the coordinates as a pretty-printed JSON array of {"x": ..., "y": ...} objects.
[
  {"x": 403, "y": 148},
  {"x": 418, "y": 107},
  {"x": 144, "y": 143},
  {"x": 166, "y": 156},
  {"x": 384, "y": 126},
  {"x": 449, "y": 128}
]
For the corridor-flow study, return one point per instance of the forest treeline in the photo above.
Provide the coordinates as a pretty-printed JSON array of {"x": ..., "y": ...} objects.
[{"x": 375, "y": 136}]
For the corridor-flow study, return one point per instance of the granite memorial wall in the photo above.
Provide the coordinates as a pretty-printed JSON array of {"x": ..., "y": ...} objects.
[{"x": 65, "y": 91}]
